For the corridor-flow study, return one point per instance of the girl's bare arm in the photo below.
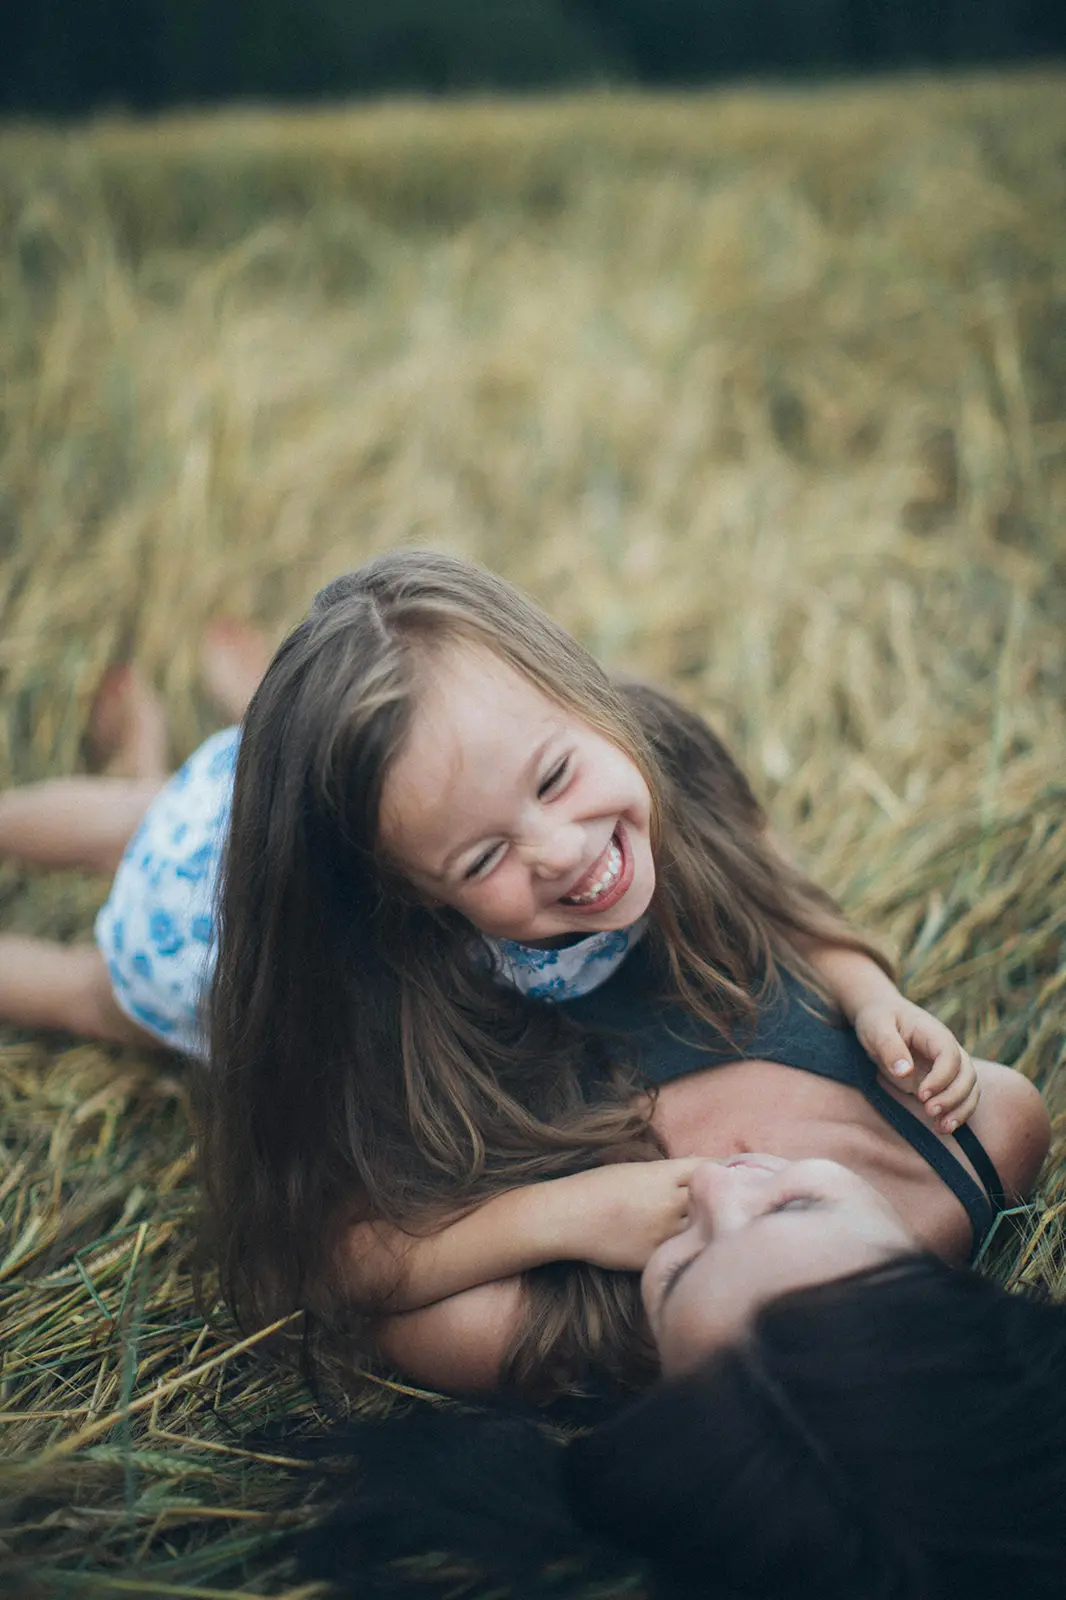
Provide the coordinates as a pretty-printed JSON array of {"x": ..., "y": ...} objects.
[
  {"x": 459, "y": 1343},
  {"x": 613, "y": 1216},
  {"x": 911, "y": 1046}
]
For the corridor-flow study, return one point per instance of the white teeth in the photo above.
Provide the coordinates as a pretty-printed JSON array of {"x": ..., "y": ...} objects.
[{"x": 607, "y": 881}]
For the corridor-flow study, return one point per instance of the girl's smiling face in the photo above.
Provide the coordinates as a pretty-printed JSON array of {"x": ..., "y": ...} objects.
[
  {"x": 759, "y": 1226},
  {"x": 506, "y": 806}
]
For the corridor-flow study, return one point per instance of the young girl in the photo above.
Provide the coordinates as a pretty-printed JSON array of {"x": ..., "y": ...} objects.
[{"x": 477, "y": 899}]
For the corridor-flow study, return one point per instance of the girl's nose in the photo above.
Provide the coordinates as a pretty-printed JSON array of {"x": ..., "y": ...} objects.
[{"x": 558, "y": 851}]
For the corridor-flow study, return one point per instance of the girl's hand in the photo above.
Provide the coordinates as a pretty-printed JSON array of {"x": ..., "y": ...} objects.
[
  {"x": 923, "y": 1057},
  {"x": 619, "y": 1214}
]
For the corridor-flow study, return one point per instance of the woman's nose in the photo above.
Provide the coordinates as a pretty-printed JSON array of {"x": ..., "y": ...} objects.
[{"x": 725, "y": 1197}]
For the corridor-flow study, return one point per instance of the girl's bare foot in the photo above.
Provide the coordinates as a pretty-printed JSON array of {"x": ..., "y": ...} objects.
[
  {"x": 127, "y": 734},
  {"x": 233, "y": 659}
]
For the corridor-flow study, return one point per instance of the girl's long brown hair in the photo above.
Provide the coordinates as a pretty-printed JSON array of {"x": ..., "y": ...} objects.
[{"x": 364, "y": 1063}]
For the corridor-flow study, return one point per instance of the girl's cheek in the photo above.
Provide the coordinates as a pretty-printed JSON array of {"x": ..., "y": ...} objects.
[{"x": 503, "y": 897}]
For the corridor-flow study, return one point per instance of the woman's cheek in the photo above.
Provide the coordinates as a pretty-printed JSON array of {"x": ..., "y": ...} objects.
[{"x": 657, "y": 1271}]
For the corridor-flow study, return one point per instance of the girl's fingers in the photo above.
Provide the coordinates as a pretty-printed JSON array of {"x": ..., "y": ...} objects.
[
  {"x": 951, "y": 1098},
  {"x": 949, "y": 1066},
  {"x": 931, "y": 1039},
  {"x": 961, "y": 1113},
  {"x": 890, "y": 1051},
  {"x": 968, "y": 1107}
]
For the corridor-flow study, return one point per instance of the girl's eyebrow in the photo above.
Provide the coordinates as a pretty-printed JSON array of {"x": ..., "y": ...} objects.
[{"x": 530, "y": 767}]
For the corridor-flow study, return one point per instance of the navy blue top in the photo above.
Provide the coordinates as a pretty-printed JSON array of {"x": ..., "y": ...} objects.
[{"x": 791, "y": 1026}]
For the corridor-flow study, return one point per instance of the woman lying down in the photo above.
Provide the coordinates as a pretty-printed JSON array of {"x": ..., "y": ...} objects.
[{"x": 897, "y": 1433}]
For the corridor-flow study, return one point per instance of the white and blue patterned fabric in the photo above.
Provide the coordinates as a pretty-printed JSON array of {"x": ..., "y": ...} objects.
[
  {"x": 566, "y": 973},
  {"x": 157, "y": 929}
]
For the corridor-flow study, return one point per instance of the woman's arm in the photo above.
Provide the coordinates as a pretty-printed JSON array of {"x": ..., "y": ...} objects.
[{"x": 613, "y": 1216}]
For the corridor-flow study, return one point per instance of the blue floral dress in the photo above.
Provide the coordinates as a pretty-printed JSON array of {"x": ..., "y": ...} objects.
[{"x": 157, "y": 930}]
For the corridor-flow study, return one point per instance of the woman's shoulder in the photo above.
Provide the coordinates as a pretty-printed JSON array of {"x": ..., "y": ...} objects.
[{"x": 1013, "y": 1124}]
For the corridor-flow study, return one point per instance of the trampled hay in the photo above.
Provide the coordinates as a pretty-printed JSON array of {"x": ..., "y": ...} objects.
[{"x": 761, "y": 393}]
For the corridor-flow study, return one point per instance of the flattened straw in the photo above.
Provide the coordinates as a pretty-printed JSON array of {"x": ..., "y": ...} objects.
[
  {"x": 93, "y": 1430},
  {"x": 761, "y": 397}
]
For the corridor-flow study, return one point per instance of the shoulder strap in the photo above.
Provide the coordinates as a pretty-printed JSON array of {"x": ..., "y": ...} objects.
[
  {"x": 980, "y": 1208},
  {"x": 984, "y": 1165}
]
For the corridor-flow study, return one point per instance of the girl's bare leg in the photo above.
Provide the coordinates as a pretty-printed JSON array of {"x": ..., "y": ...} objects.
[
  {"x": 127, "y": 733},
  {"x": 88, "y": 822},
  {"x": 73, "y": 822},
  {"x": 82, "y": 822},
  {"x": 49, "y": 985}
]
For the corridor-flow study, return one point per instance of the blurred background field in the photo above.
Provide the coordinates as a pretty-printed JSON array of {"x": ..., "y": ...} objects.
[{"x": 761, "y": 393}]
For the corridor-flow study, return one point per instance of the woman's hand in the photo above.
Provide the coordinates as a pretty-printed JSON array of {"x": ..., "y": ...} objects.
[
  {"x": 921, "y": 1056},
  {"x": 617, "y": 1215}
]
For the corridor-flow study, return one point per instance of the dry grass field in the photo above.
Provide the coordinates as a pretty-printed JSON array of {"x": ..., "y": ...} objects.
[{"x": 763, "y": 394}]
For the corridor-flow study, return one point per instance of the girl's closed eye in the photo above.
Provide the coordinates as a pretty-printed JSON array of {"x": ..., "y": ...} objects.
[
  {"x": 485, "y": 860},
  {"x": 551, "y": 785},
  {"x": 554, "y": 780}
]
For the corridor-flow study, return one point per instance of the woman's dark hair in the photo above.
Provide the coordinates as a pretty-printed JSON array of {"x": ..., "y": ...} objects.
[
  {"x": 364, "y": 1064},
  {"x": 896, "y": 1435}
]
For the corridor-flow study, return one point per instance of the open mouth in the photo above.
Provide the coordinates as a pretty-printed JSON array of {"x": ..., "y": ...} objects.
[{"x": 606, "y": 880}]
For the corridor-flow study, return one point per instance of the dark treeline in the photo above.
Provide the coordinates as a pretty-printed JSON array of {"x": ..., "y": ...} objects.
[{"x": 70, "y": 56}]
